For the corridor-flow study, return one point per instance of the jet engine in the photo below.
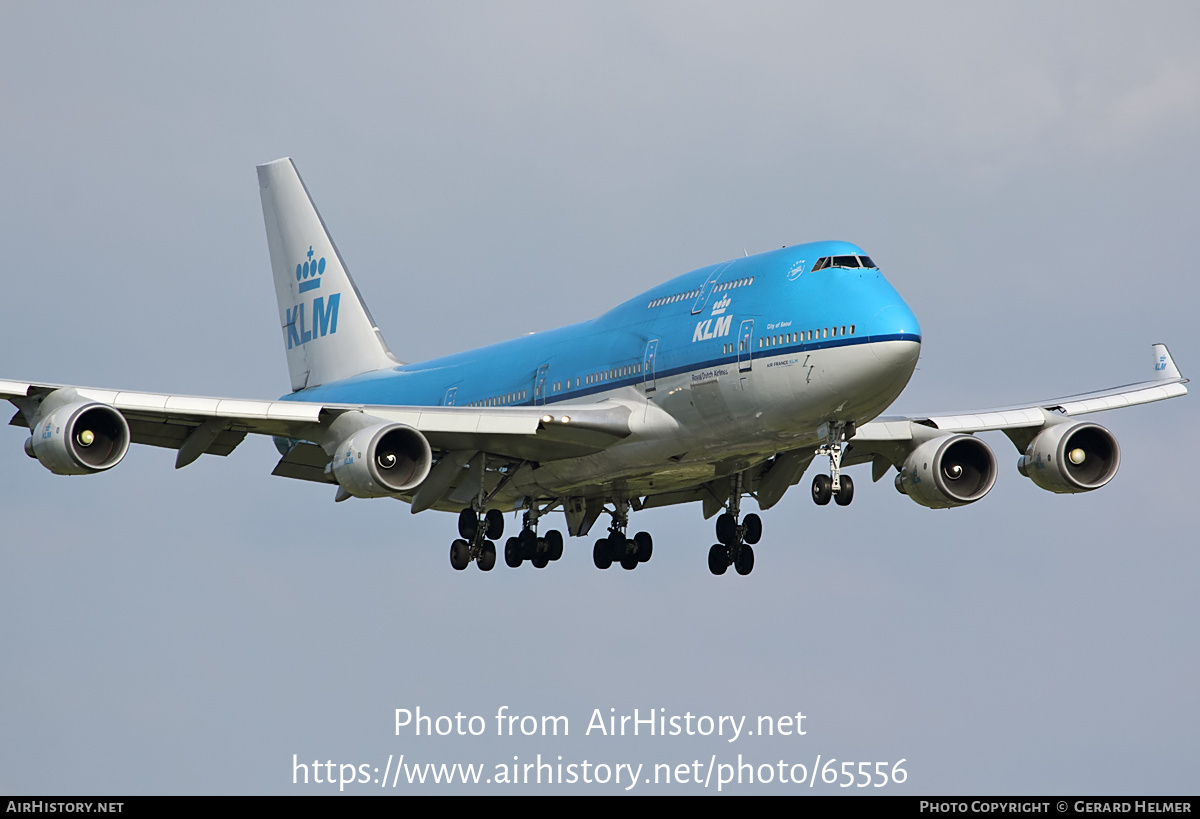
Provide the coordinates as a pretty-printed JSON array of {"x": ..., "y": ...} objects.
[
  {"x": 381, "y": 460},
  {"x": 950, "y": 470},
  {"x": 79, "y": 438},
  {"x": 1071, "y": 458}
]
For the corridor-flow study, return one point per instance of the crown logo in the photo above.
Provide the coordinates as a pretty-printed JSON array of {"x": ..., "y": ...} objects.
[
  {"x": 308, "y": 273},
  {"x": 720, "y": 306}
]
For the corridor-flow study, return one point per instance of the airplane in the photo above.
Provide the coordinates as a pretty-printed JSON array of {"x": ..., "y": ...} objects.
[{"x": 718, "y": 385}]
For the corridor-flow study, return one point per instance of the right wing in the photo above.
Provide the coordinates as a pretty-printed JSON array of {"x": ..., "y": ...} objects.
[{"x": 941, "y": 465}]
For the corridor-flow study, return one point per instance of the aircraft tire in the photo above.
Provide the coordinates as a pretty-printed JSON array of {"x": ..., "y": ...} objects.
[
  {"x": 528, "y": 542},
  {"x": 645, "y": 546},
  {"x": 718, "y": 558},
  {"x": 601, "y": 554},
  {"x": 512, "y": 553},
  {"x": 495, "y": 524},
  {"x": 487, "y": 557},
  {"x": 618, "y": 546},
  {"x": 468, "y": 524},
  {"x": 727, "y": 529},
  {"x": 540, "y": 560},
  {"x": 822, "y": 489},
  {"x": 745, "y": 561},
  {"x": 460, "y": 554},
  {"x": 554, "y": 544},
  {"x": 629, "y": 562},
  {"x": 753, "y": 527},
  {"x": 846, "y": 493}
]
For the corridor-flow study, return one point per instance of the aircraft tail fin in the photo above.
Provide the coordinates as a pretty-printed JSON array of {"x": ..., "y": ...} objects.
[{"x": 328, "y": 331}]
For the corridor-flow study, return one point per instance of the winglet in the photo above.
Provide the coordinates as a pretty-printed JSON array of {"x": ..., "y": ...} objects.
[{"x": 1164, "y": 365}]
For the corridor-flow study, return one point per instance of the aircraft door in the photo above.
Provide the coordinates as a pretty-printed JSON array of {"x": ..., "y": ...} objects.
[
  {"x": 706, "y": 290},
  {"x": 745, "y": 345},
  {"x": 539, "y": 384},
  {"x": 648, "y": 365},
  {"x": 448, "y": 400}
]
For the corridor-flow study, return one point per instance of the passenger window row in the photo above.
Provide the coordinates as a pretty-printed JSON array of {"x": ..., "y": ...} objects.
[
  {"x": 805, "y": 336},
  {"x": 500, "y": 400},
  {"x": 691, "y": 294}
]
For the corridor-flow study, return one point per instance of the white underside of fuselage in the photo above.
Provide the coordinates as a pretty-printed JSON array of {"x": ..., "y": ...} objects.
[{"x": 705, "y": 424}]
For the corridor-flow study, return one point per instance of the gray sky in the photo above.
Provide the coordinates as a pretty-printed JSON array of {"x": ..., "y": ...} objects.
[{"x": 1024, "y": 173}]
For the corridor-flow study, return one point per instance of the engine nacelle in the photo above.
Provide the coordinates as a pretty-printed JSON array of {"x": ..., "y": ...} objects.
[
  {"x": 1071, "y": 458},
  {"x": 382, "y": 460},
  {"x": 951, "y": 470},
  {"x": 79, "y": 438}
]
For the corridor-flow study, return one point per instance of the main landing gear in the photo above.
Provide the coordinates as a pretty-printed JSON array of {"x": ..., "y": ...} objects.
[
  {"x": 619, "y": 548},
  {"x": 835, "y": 485},
  {"x": 478, "y": 532},
  {"x": 528, "y": 546},
  {"x": 735, "y": 539}
]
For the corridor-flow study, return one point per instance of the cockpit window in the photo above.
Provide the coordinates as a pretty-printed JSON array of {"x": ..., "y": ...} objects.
[{"x": 843, "y": 261}]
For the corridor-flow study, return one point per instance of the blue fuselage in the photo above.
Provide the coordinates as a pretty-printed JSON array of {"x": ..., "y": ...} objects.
[{"x": 736, "y": 317}]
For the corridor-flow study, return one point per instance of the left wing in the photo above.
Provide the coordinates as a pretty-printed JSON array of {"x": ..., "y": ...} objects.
[
  {"x": 941, "y": 464},
  {"x": 381, "y": 450}
]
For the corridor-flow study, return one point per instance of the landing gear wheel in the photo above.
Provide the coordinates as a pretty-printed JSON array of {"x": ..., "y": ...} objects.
[
  {"x": 554, "y": 544},
  {"x": 512, "y": 553},
  {"x": 528, "y": 543},
  {"x": 487, "y": 556},
  {"x": 753, "y": 528},
  {"x": 460, "y": 554},
  {"x": 845, "y": 493},
  {"x": 541, "y": 560},
  {"x": 629, "y": 562},
  {"x": 822, "y": 489},
  {"x": 494, "y": 520},
  {"x": 727, "y": 529},
  {"x": 745, "y": 560},
  {"x": 718, "y": 558},
  {"x": 645, "y": 546},
  {"x": 601, "y": 554},
  {"x": 468, "y": 524}
]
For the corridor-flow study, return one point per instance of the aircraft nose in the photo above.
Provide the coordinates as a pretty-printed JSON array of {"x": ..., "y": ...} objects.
[
  {"x": 894, "y": 322},
  {"x": 896, "y": 339}
]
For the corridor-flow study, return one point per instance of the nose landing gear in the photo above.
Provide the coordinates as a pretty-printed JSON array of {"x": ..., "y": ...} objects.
[{"x": 835, "y": 486}]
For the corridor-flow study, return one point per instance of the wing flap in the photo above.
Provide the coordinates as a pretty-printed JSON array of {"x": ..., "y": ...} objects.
[
  {"x": 171, "y": 435},
  {"x": 305, "y": 462}
]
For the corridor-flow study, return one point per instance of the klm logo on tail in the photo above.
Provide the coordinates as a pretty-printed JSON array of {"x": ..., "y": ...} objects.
[
  {"x": 308, "y": 274},
  {"x": 324, "y": 314}
]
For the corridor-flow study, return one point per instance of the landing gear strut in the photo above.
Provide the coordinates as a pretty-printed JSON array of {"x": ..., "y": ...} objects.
[
  {"x": 735, "y": 538},
  {"x": 834, "y": 486},
  {"x": 539, "y": 551},
  {"x": 478, "y": 529},
  {"x": 477, "y": 533},
  {"x": 618, "y": 547}
]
